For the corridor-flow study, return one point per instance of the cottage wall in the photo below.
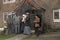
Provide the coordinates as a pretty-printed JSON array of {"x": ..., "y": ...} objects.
[
  {"x": 9, "y": 7},
  {"x": 49, "y": 5}
]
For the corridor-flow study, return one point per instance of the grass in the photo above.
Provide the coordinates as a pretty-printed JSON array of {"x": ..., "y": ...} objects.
[{"x": 4, "y": 37}]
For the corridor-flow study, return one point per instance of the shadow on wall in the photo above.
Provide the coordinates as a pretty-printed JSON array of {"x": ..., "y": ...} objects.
[{"x": 47, "y": 27}]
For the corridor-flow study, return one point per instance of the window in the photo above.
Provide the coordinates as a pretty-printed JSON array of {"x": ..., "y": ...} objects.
[
  {"x": 8, "y": 1},
  {"x": 56, "y": 15},
  {"x": 5, "y": 16}
]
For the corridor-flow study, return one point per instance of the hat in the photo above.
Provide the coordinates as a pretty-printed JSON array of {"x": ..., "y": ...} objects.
[{"x": 27, "y": 13}]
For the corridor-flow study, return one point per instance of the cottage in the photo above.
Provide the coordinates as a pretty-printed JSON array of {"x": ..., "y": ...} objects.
[{"x": 50, "y": 17}]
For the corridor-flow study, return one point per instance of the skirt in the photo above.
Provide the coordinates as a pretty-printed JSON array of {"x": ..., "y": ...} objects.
[{"x": 27, "y": 30}]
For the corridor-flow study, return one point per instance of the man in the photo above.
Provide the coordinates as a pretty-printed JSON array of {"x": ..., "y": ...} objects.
[
  {"x": 23, "y": 22},
  {"x": 9, "y": 22},
  {"x": 17, "y": 23}
]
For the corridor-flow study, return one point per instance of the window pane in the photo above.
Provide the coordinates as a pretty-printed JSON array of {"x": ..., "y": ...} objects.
[
  {"x": 4, "y": 0},
  {"x": 56, "y": 15},
  {"x": 9, "y": 0},
  {"x": 5, "y": 17}
]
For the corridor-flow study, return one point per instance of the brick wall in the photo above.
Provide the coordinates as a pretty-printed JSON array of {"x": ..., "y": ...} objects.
[
  {"x": 7, "y": 8},
  {"x": 49, "y": 5}
]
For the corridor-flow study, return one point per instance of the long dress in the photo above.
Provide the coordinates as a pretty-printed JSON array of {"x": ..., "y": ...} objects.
[{"x": 27, "y": 29}]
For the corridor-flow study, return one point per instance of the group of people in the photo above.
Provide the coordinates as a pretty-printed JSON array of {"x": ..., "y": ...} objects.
[{"x": 21, "y": 24}]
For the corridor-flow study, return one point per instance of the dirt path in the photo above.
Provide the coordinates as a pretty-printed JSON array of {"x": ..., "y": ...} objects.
[
  {"x": 21, "y": 36},
  {"x": 17, "y": 37}
]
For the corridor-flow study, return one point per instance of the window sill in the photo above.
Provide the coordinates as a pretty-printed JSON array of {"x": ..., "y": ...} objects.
[{"x": 56, "y": 20}]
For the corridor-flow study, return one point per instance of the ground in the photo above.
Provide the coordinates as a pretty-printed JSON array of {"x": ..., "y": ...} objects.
[
  {"x": 46, "y": 36},
  {"x": 3, "y": 37},
  {"x": 17, "y": 37}
]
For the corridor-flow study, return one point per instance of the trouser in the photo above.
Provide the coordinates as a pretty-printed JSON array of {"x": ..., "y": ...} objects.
[
  {"x": 10, "y": 30},
  {"x": 17, "y": 28},
  {"x": 37, "y": 31},
  {"x": 22, "y": 27}
]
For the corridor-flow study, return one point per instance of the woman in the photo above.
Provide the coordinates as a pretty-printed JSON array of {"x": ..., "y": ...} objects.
[
  {"x": 27, "y": 29},
  {"x": 37, "y": 25}
]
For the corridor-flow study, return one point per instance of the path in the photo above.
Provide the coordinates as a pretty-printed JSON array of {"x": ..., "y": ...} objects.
[
  {"x": 21, "y": 36},
  {"x": 17, "y": 37}
]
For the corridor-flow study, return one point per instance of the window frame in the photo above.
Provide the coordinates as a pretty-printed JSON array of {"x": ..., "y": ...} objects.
[
  {"x": 56, "y": 20},
  {"x": 7, "y": 13},
  {"x": 4, "y": 21},
  {"x": 8, "y": 1}
]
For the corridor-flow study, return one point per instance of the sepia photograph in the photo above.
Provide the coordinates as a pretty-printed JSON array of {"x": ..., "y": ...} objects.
[{"x": 29, "y": 19}]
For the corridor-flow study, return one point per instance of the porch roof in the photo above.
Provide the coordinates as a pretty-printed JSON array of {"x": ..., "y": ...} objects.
[{"x": 28, "y": 6}]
